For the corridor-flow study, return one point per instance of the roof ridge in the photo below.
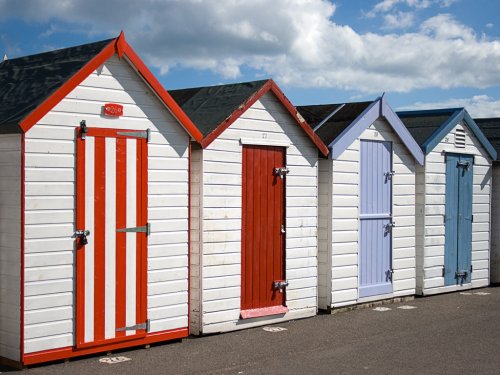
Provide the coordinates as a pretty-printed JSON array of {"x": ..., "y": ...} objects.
[
  {"x": 41, "y": 54},
  {"x": 220, "y": 85}
]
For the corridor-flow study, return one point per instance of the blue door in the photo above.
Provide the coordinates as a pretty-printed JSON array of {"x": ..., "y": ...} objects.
[
  {"x": 458, "y": 219},
  {"x": 375, "y": 269}
]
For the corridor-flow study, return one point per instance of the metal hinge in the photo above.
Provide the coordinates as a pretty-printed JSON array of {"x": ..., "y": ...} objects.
[
  {"x": 389, "y": 274},
  {"x": 135, "y": 327},
  {"x": 280, "y": 285},
  {"x": 443, "y": 272},
  {"x": 142, "y": 134},
  {"x": 83, "y": 129},
  {"x": 471, "y": 268},
  {"x": 389, "y": 175},
  {"x": 144, "y": 229},
  {"x": 281, "y": 172}
]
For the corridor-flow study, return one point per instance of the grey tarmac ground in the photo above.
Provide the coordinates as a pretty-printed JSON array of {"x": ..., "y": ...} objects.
[{"x": 446, "y": 334}]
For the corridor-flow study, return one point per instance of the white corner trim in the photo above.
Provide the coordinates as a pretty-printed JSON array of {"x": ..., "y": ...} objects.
[{"x": 264, "y": 142}]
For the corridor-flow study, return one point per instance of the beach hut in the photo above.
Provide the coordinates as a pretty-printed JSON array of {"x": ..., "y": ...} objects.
[
  {"x": 491, "y": 129},
  {"x": 93, "y": 205},
  {"x": 367, "y": 204},
  {"x": 453, "y": 200},
  {"x": 254, "y": 207}
]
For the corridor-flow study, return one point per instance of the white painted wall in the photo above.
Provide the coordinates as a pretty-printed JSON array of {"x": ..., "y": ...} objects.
[
  {"x": 339, "y": 256},
  {"x": 267, "y": 120},
  {"x": 495, "y": 226},
  {"x": 50, "y": 205},
  {"x": 433, "y": 232},
  {"x": 10, "y": 246}
]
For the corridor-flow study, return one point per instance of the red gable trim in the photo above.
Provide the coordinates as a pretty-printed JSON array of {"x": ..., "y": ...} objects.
[
  {"x": 157, "y": 87},
  {"x": 67, "y": 87},
  {"x": 270, "y": 85},
  {"x": 122, "y": 48}
]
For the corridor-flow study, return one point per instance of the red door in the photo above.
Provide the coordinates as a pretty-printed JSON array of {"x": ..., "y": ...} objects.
[
  {"x": 111, "y": 256},
  {"x": 263, "y": 232}
]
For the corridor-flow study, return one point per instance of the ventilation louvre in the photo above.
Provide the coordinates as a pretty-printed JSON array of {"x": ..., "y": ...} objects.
[{"x": 460, "y": 138}]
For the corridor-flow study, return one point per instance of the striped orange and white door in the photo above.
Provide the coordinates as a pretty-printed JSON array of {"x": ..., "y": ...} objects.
[{"x": 112, "y": 258}]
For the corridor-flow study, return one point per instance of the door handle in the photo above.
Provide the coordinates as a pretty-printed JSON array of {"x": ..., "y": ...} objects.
[{"x": 282, "y": 230}]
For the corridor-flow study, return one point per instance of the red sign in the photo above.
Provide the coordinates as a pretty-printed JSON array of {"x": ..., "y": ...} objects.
[{"x": 111, "y": 109}]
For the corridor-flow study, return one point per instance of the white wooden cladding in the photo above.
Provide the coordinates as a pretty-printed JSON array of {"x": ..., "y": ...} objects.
[
  {"x": 219, "y": 179},
  {"x": 50, "y": 205},
  {"x": 338, "y": 260},
  {"x": 10, "y": 245},
  {"x": 431, "y": 209}
]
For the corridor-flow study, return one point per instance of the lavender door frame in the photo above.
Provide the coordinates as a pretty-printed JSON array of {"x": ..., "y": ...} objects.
[{"x": 375, "y": 219}]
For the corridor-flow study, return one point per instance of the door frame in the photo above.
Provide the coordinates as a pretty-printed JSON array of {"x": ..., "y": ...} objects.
[
  {"x": 391, "y": 218},
  {"x": 276, "y": 309},
  {"x": 141, "y": 238},
  {"x": 468, "y": 278}
]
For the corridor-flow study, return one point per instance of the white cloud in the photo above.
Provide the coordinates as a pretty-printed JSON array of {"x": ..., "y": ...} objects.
[
  {"x": 478, "y": 106},
  {"x": 294, "y": 41},
  {"x": 385, "y": 6},
  {"x": 399, "y": 20}
]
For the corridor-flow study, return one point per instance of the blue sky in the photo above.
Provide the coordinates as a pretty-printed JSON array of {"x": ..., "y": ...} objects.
[{"x": 422, "y": 53}]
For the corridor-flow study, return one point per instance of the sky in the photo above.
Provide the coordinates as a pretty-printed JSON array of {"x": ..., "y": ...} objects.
[{"x": 421, "y": 53}]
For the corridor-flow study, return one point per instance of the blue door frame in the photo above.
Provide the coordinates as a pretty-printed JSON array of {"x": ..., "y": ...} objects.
[
  {"x": 458, "y": 219},
  {"x": 375, "y": 259}
]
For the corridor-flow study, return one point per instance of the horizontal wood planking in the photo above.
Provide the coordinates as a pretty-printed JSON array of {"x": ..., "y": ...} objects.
[
  {"x": 50, "y": 206},
  {"x": 221, "y": 215},
  {"x": 431, "y": 203},
  {"x": 344, "y": 223},
  {"x": 10, "y": 246}
]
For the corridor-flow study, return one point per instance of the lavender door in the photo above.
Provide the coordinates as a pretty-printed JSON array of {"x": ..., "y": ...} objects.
[{"x": 375, "y": 273}]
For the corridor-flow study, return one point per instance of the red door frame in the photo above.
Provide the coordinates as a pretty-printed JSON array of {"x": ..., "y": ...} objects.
[
  {"x": 252, "y": 306},
  {"x": 141, "y": 247}
]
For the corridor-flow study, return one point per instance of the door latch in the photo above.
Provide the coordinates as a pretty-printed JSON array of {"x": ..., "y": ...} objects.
[
  {"x": 462, "y": 274},
  {"x": 463, "y": 164},
  {"x": 281, "y": 172},
  {"x": 82, "y": 235},
  {"x": 280, "y": 285}
]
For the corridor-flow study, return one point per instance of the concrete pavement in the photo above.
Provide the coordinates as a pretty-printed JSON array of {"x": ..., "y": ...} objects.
[{"x": 444, "y": 334}]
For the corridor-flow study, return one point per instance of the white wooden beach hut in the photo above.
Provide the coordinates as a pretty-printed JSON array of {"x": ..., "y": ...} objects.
[
  {"x": 367, "y": 203},
  {"x": 491, "y": 129},
  {"x": 93, "y": 205},
  {"x": 453, "y": 200},
  {"x": 253, "y": 206}
]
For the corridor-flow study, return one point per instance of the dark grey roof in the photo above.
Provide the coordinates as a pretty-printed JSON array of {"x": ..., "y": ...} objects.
[
  {"x": 335, "y": 125},
  {"x": 26, "y": 82},
  {"x": 422, "y": 127},
  {"x": 491, "y": 129},
  {"x": 209, "y": 106}
]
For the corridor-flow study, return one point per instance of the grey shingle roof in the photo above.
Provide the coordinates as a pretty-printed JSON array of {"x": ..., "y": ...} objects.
[
  {"x": 209, "y": 106},
  {"x": 26, "y": 82}
]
